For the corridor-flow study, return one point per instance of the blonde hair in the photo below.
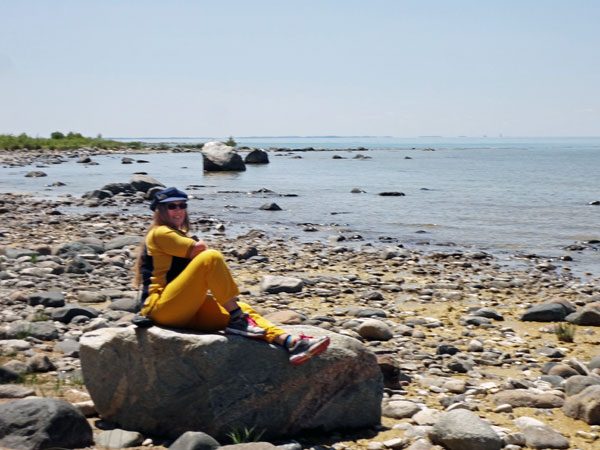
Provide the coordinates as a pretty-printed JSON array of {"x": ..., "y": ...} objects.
[{"x": 161, "y": 217}]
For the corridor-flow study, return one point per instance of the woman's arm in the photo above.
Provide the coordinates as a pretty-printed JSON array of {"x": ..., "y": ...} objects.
[{"x": 197, "y": 248}]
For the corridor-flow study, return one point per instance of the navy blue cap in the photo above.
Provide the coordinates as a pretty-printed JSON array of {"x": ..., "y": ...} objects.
[{"x": 171, "y": 194}]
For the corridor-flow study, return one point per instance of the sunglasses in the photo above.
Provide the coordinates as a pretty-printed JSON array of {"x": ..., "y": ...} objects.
[{"x": 175, "y": 206}]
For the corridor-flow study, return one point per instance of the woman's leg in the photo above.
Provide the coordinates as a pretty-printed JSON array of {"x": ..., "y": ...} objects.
[{"x": 183, "y": 297}]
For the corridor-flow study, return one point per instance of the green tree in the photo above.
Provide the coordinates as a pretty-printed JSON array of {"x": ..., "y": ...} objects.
[
  {"x": 230, "y": 142},
  {"x": 57, "y": 135}
]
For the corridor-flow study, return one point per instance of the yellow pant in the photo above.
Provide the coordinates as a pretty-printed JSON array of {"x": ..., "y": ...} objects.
[{"x": 185, "y": 302}]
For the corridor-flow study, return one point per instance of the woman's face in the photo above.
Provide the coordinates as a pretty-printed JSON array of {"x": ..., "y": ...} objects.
[{"x": 177, "y": 211}]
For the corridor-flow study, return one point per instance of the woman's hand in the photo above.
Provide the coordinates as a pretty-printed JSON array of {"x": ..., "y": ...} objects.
[{"x": 198, "y": 248}]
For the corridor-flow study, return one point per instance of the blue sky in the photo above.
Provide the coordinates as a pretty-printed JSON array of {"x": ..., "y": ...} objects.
[{"x": 133, "y": 68}]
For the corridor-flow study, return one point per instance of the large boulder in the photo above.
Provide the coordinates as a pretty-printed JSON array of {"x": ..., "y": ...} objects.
[
  {"x": 218, "y": 157},
  {"x": 38, "y": 423},
  {"x": 461, "y": 429},
  {"x": 165, "y": 382},
  {"x": 257, "y": 156},
  {"x": 585, "y": 405},
  {"x": 144, "y": 183}
]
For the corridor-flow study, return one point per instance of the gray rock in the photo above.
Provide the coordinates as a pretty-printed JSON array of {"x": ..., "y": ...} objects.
[
  {"x": 463, "y": 430},
  {"x": 219, "y": 157},
  {"x": 585, "y": 405},
  {"x": 125, "y": 304},
  {"x": 123, "y": 241},
  {"x": 400, "y": 409},
  {"x": 91, "y": 297},
  {"x": 194, "y": 440},
  {"x": 594, "y": 363},
  {"x": 36, "y": 174},
  {"x": 40, "y": 363},
  {"x": 155, "y": 385},
  {"x": 273, "y": 284},
  {"x": 544, "y": 437},
  {"x": 16, "y": 366},
  {"x": 118, "y": 188},
  {"x": 97, "y": 194},
  {"x": 118, "y": 438},
  {"x": 460, "y": 365},
  {"x": 547, "y": 312},
  {"x": 257, "y": 156},
  {"x": 68, "y": 347},
  {"x": 363, "y": 311},
  {"x": 46, "y": 331},
  {"x": 67, "y": 312},
  {"x": 15, "y": 391},
  {"x": 52, "y": 298},
  {"x": 144, "y": 183},
  {"x": 589, "y": 315},
  {"x": 489, "y": 313},
  {"x": 71, "y": 249},
  {"x": 271, "y": 206},
  {"x": 518, "y": 398},
  {"x": 8, "y": 375},
  {"x": 374, "y": 329},
  {"x": 78, "y": 265},
  {"x": 37, "y": 423},
  {"x": 577, "y": 383}
]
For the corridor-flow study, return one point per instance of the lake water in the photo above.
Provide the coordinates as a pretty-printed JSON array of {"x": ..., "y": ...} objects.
[{"x": 505, "y": 196}]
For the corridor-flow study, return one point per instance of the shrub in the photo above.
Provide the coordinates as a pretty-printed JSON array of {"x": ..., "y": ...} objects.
[
  {"x": 57, "y": 135},
  {"x": 230, "y": 142},
  {"x": 565, "y": 332}
]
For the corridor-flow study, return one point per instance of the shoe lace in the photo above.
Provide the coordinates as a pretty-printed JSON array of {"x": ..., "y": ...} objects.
[{"x": 303, "y": 336}]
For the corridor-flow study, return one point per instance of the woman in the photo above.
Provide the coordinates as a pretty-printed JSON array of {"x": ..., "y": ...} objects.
[{"x": 176, "y": 272}]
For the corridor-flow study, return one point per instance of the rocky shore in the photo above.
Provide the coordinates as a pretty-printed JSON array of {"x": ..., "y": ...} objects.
[{"x": 453, "y": 331}]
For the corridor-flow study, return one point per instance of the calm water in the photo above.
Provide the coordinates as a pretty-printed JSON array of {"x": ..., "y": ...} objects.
[{"x": 506, "y": 196}]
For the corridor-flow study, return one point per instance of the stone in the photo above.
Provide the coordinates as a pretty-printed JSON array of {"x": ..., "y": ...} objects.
[
  {"x": 271, "y": 206},
  {"x": 528, "y": 399},
  {"x": 257, "y": 156},
  {"x": 144, "y": 183},
  {"x": 547, "y": 312},
  {"x": 218, "y": 157},
  {"x": 36, "y": 174},
  {"x": 36, "y": 423},
  {"x": 78, "y": 265},
  {"x": 374, "y": 329},
  {"x": 52, "y": 298},
  {"x": 66, "y": 313},
  {"x": 8, "y": 375},
  {"x": 155, "y": 385},
  {"x": 46, "y": 331},
  {"x": 274, "y": 284},
  {"x": 584, "y": 405},
  {"x": 40, "y": 363},
  {"x": 541, "y": 437},
  {"x": 15, "y": 391},
  {"x": 589, "y": 315},
  {"x": 461, "y": 429},
  {"x": 286, "y": 317},
  {"x": 118, "y": 438},
  {"x": 577, "y": 383},
  {"x": 400, "y": 409},
  {"x": 194, "y": 440},
  {"x": 123, "y": 241}
]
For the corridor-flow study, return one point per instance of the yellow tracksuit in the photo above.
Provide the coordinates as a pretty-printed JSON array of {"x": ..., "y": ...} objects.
[{"x": 175, "y": 288}]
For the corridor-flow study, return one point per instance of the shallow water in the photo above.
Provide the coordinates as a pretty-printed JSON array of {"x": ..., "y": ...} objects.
[{"x": 503, "y": 197}]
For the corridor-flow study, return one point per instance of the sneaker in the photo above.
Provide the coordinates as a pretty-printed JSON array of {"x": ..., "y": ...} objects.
[
  {"x": 244, "y": 325},
  {"x": 306, "y": 347}
]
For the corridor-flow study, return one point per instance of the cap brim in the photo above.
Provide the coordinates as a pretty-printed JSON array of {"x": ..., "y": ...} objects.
[{"x": 174, "y": 199}]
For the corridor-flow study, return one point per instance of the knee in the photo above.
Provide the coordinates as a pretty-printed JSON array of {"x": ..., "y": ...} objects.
[{"x": 211, "y": 255}]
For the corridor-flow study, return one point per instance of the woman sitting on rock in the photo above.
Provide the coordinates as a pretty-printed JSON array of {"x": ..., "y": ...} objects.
[{"x": 176, "y": 272}]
